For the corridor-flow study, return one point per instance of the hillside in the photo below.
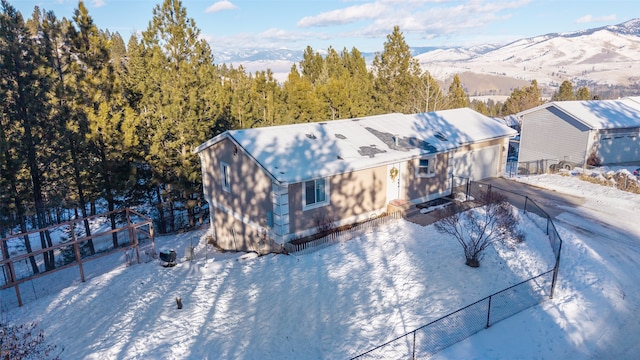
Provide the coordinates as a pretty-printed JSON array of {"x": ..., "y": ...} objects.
[
  {"x": 606, "y": 59},
  {"x": 599, "y": 57}
]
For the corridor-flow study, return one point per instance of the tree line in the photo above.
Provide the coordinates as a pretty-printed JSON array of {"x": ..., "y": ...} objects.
[{"x": 88, "y": 122}]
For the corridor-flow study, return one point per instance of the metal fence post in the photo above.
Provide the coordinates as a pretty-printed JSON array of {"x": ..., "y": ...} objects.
[
  {"x": 548, "y": 220},
  {"x": 468, "y": 188},
  {"x": 555, "y": 271},
  {"x": 414, "y": 345},
  {"x": 489, "y": 313}
]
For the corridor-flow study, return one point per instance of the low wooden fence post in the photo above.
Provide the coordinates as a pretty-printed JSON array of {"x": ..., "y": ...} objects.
[{"x": 76, "y": 250}]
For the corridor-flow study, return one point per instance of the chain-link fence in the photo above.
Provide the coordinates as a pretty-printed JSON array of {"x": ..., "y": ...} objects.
[
  {"x": 536, "y": 167},
  {"x": 439, "y": 334},
  {"x": 524, "y": 202}
]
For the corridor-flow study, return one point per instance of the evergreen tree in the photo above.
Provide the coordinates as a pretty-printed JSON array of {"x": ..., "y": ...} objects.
[
  {"x": 397, "y": 76},
  {"x": 300, "y": 98},
  {"x": 480, "y": 106},
  {"x": 564, "y": 93},
  {"x": 360, "y": 84},
  {"x": 238, "y": 88},
  {"x": 583, "y": 93},
  {"x": 25, "y": 106},
  {"x": 457, "y": 97},
  {"x": 312, "y": 66},
  {"x": 522, "y": 99},
  {"x": 74, "y": 154},
  {"x": 179, "y": 72},
  {"x": 266, "y": 98},
  {"x": 100, "y": 105},
  {"x": 332, "y": 87},
  {"x": 118, "y": 49}
]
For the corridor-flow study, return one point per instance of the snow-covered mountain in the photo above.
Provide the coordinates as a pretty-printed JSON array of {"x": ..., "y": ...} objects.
[
  {"x": 599, "y": 58},
  {"x": 604, "y": 56}
]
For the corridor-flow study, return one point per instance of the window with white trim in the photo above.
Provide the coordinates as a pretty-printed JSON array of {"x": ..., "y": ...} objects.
[
  {"x": 315, "y": 193},
  {"x": 226, "y": 177},
  {"x": 426, "y": 167}
]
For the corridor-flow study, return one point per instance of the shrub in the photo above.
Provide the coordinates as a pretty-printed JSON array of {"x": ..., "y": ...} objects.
[
  {"x": 476, "y": 229},
  {"x": 25, "y": 341},
  {"x": 593, "y": 160}
]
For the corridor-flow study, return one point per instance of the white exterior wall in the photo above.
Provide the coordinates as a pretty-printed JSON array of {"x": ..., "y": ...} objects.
[{"x": 280, "y": 200}]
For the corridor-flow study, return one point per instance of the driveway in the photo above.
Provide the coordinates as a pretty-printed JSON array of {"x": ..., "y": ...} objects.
[{"x": 552, "y": 202}]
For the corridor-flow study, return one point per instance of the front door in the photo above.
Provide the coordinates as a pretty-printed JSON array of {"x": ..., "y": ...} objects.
[{"x": 393, "y": 182}]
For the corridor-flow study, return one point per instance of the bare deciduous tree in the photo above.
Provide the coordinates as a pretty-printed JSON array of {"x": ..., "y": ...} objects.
[
  {"x": 476, "y": 229},
  {"x": 25, "y": 341}
]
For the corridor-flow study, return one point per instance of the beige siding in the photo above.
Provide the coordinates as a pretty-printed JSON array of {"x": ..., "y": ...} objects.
[
  {"x": 239, "y": 217},
  {"x": 496, "y": 167},
  {"x": 244, "y": 209},
  {"x": 425, "y": 187},
  {"x": 351, "y": 195}
]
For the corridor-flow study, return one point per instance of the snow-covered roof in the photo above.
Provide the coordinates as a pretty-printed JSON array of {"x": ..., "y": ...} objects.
[
  {"x": 600, "y": 114},
  {"x": 510, "y": 120},
  {"x": 635, "y": 98},
  {"x": 294, "y": 153}
]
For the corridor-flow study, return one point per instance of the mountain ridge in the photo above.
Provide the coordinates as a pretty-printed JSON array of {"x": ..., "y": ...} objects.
[{"x": 598, "y": 58}]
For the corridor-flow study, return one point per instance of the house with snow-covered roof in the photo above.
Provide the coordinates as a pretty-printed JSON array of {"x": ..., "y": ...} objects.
[
  {"x": 267, "y": 186},
  {"x": 573, "y": 131}
]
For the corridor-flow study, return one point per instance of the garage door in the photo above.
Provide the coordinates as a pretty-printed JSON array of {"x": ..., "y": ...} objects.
[
  {"x": 619, "y": 148},
  {"x": 477, "y": 164}
]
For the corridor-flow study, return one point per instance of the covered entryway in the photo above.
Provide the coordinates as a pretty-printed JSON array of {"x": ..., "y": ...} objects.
[
  {"x": 476, "y": 164},
  {"x": 393, "y": 182}
]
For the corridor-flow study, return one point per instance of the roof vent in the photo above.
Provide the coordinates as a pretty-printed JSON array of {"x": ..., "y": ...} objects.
[
  {"x": 440, "y": 136},
  {"x": 311, "y": 136}
]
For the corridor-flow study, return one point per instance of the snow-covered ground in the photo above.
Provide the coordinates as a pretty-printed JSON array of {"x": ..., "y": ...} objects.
[{"x": 350, "y": 297}]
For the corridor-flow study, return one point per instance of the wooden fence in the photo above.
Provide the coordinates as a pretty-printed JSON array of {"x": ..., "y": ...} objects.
[
  {"x": 340, "y": 236},
  {"x": 21, "y": 265}
]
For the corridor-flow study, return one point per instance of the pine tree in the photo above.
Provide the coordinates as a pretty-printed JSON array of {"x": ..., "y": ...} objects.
[
  {"x": 457, "y": 97},
  {"x": 360, "y": 84},
  {"x": 564, "y": 93},
  {"x": 302, "y": 103},
  {"x": 312, "y": 67},
  {"x": 479, "y": 106},
  {"x": 180, "y": 72},
  {"x": 266, "y": 97},
  {"x": 25, "y": 105},
  {"x": 72, "y": 148},
  {"x": 522, "y": 99},
  {"x": 583, "y": 93},
  {"x": 397, "y": 76}
]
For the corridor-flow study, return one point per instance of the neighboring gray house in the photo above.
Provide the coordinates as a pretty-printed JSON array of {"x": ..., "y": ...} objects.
[
  {"x": 574, "y": 130},
  {"x": 268, "y": 186}
]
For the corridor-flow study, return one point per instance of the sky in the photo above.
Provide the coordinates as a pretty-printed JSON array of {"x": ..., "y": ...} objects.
[{"x": 233, "y": 25}]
